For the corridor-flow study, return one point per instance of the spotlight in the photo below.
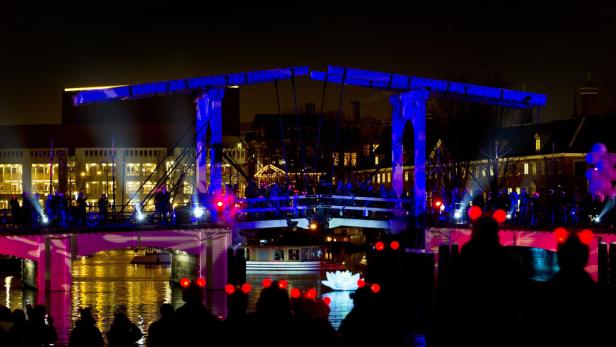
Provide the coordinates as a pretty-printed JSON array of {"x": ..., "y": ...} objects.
[
  {"x": 140, "y": 217},
  {"x": 45, "y": 219},
  {"x": 457, "y": 214},
  {"x": 597, "y": 219},
  {"x": 313, "y": 226},
  {"x": 198, "y": 212},
  {"x": 509, "y": 215}
]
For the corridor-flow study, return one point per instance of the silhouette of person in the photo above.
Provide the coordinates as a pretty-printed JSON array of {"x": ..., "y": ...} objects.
[
  {"x": 194, "y": 321},
  {"x": 238, "y": 319},
  {"x": 41, "y": 326},
  {"x": 123, "y": 332},
  {"x": 21, "y": 331},
  {"x": 162, "y": 332},
  {"x": 274, "y": 316},
  {"x": 81, "y": 209},
  {"x": 85, "y": 333},
  {"x": 482, "y": 302},
  {"x": 363, "y": 325},
  {"x": 6, "y": 323},
  {"x": 567, "y": 311}
]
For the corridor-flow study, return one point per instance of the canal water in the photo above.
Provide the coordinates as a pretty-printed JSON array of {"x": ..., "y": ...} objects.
[{"x": 106, "y": 280}]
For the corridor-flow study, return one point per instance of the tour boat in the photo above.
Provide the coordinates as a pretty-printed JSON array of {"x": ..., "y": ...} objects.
[
  {"x": 290, "y": 258},
  {"x": 152, "y": 257}
]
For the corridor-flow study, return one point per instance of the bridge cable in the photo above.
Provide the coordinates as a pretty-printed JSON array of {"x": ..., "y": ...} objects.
[
  {"x": 320, "y": 126},
  {"x": 281, "y": 127}
]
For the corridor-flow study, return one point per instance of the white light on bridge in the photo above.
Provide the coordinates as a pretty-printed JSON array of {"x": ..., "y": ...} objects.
[{"x": 198, "y": 212}]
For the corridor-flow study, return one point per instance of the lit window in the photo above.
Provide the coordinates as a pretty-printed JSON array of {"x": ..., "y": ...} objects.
[
  {"x": 389, "y": 177},
  {"x": 526, "y": 168},
  {"x": 353, "y": 159},
  {"x": 376, "y": 160},
  {"x": 491, "y": 171},
  {"x": 534, "y": 168},
  {"x": 406, "y": 176},
  {"x": 537, "y": 143},
  {"x": 378, "y": 178}
]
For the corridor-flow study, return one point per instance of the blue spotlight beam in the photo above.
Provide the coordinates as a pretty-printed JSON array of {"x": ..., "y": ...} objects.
[
  {"x": 441, "y": 88},
  {"x": 186, "y": 85}
]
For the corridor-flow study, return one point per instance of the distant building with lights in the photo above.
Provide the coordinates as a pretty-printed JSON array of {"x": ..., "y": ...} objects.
[{"x": 121, "y": 149}]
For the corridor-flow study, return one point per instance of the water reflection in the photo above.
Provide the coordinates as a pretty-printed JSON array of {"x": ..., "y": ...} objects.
[{"x": 107, "y": 279}]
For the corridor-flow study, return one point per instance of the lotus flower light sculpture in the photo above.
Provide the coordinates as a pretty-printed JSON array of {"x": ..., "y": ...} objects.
[{"x": 341, "y": 280}]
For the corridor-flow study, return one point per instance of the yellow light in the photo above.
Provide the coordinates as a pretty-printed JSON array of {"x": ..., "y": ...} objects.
[
  {"x": 82, "y": 174},
  {"x": 98, "y": 172},
  {"x": 80, "y": 89},
  {"x": 313, "y": 226}
]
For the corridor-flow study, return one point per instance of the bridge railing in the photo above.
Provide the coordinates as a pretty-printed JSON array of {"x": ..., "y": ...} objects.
[{"x": 306, "y": 206}]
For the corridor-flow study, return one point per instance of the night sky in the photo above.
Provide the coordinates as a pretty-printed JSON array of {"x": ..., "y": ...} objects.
[{"x": 552, "y": 46}]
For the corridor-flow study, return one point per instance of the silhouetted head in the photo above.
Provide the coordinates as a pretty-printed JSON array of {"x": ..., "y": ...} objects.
[
  {"x": 193, "y": 294},
  {"x": 485, "y": 231},
  {"x": 237, "y": 303},
  {"x": 5, "y": 314},
  {"x": 166, "y": 310},
  {"x": 19, "y": 316},
  {"x": 572, "y": 254},
  {"x": 85, "y": 315},
  {"x": 274, "y": 302},
  {"x": 363, "y": 297}
]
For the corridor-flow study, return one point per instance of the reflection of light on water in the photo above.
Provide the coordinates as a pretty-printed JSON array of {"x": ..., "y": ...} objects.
[{"x": 7, "y": 285}]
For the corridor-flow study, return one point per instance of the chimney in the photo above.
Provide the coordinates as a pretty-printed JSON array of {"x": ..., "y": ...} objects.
[
  {"x": 356, "y": 114},
  {"x": 589, "y": 97},
  {"x": 311, "y": 108}
]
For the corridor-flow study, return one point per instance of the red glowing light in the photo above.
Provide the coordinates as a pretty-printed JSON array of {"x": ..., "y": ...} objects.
[
  {"x": 311, "y": 294},
  {"x": 201, "y": 282},
  {"x": 474, "y": 213},
  {"x": 266, "y": 283},
  {"x": 219, "y": 204},
  {"x": 246, "y": 288},
  {"x": 327, "y": 300},
  {"x": 375, "y": 288},
  {"x": 283, "y": 284},
  {"x": 500, "y": 216},
  {"x": 394, "y": 245},
  {"x": 586, "y": 236},
  {"x": 295, "y": 293},
  {"x": 184, "y": 282},
  {"x": 560, "y": 234},
  {"x": 379, "y": 246},
  {"x": 438, "y": 203},
  {"x": 230, "y": 289},
  {"x": 361, "y": 283}
]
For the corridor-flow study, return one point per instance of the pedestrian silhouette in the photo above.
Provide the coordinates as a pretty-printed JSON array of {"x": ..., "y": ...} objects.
[
  {"x": 85, "y": 333},
  {"x": 162, "y": 332}
]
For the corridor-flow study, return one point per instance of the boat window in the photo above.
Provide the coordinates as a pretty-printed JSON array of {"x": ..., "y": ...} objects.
[
  {"x": 293, "y": 254},
  {"x": 316, "y": 253},
  {"x": 279, "y": 254}
]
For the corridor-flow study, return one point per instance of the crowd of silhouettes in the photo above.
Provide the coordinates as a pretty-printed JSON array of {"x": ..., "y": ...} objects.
[
  {"x": 486, "y": 300},
  {"x": 489, "y": 301},
  {"x": 30, "y": 328}
]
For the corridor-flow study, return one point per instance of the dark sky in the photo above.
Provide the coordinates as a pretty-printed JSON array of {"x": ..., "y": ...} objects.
[{"x": 62, "y": 44}]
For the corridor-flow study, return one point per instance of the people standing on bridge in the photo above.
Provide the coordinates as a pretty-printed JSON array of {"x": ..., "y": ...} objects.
[
  {"x": 102, "y": 208},
  {"x": 86, "y": 333},
  {"x": 27, "y": 209},
  {"x": 162, "y": 332},
  {"x": 162, "y": 203},
  {"x": 81, "y": 209},
  {"x": 15, "y": 210}
]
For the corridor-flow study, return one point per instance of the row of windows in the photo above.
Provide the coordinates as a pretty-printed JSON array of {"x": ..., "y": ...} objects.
[
  {"x": 45, "y": 153},
  {"x": 11, "y": 154},
  {"x": 127, "y": 152}
]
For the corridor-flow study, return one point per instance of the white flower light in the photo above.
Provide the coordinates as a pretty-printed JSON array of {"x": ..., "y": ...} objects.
[{"x": 341, "y": 280}]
